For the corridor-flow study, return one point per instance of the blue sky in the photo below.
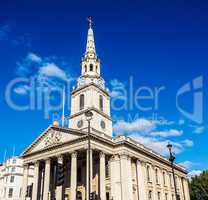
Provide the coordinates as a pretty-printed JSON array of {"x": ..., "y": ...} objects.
[{"x": 150, "y": 45}]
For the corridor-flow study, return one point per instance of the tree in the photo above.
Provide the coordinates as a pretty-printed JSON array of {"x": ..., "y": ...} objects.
[{"x": 199, "y": 187}]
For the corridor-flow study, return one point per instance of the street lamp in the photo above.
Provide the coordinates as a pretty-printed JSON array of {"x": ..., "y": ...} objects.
[
  {"x": 172, "y": 159},
  {"x": 88, "y": 116}
]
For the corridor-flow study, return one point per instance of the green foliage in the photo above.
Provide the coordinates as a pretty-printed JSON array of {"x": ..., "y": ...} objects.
[{"x": 199, "y": 187}]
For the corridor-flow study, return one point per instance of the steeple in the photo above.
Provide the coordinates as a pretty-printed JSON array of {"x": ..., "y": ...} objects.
[
  {"x": 90, "y": 92},
  {"x": 90, "y": 63},
  {"x": 90, "y": 47}
]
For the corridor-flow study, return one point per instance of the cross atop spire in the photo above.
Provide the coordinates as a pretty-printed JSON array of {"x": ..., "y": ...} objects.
[{"x": 89, "y": 19}]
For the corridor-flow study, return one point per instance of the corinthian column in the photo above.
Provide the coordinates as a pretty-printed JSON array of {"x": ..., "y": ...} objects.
[
  {"x": 102, "y": 176},
  {"x": 141, "y": 180},
  {"x": 115, "y": 177},
  {"x": 126, "y": 177},
  {"x": 25, "y": 181},
  {"x": 47, "y": 179},
  {"x": 36, "y": 181},
  {"x": 73, "y": 175}
]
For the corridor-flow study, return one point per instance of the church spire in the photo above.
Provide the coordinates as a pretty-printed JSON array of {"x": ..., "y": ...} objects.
[{"x": 90, "y": 48}]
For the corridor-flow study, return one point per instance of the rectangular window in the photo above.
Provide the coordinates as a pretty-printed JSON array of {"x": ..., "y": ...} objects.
[
  {"x": 10, "y": 192},
  {"x": 13, "y": 169},
  {"x": 12, "y": 179}
]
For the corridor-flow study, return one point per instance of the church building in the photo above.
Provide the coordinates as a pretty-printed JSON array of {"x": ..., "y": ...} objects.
[{"x": 114, "y": 168}]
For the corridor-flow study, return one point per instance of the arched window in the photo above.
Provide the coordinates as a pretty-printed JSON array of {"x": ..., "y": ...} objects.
[
  {"x": 148, "y": 173},
  {"x": 158, "y": 196},
  {"x": 96, "y": 69},
  {"x": 101, "y": 102},
  {"x": 91, "y": 67},
  {"x": 164, "y": 180},
  {"x": 81, "y": 101},
  {"x": 85, "y": 67},
  {"x": 156, "y": 176},
  {"x": 150, "y": 195}
]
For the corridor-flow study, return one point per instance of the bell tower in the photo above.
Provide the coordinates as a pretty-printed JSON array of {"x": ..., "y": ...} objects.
[{"x": 90, "y": 93}]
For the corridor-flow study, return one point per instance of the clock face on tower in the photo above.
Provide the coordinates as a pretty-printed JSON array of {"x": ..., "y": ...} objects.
[
  {"x": 102, "y": 124},
  {"x": 80, "y": 123}
]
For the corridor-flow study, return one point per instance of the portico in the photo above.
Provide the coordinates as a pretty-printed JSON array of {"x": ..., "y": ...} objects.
[{"x": 75, "y": 163}]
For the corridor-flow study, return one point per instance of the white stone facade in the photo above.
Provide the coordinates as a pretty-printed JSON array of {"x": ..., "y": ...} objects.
[
  {"x": 11, "y": 178},
  {"x": 124, "y": 168},
  {"x": 121, "y": 168}
]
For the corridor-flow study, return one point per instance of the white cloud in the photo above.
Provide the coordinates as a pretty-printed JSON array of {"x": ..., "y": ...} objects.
[
  {"x": 52, "y": 70},
  {"x": 46, "y": 72},
  {"x": 181, "y": 121},
  {"x": 188, "y": 143},
  {"x": 163, "y": 122},
  {"x": 143, "y": 131},
  {"x": 188, "y": 164},
  {"x": 114, "y": 93},
  {"x": 117, "y": 89},
  {"x": 34, "y": 57},
  {"x": 159, "y": 146},
  {"x": 116, "y": 83},
  {"x": 168, "y": 133},
  {"x": 199, "y": 129},
  {"x": 194, "y": 173},
  {"x": 22, "y": 89},
  {"x": 138, "y": 125}
]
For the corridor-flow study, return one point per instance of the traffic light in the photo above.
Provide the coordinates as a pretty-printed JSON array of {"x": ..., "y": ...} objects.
[
  {"x": 60, "y": 174},
  {"x": 29, "y": 191},
  {"x": 92, "y": 196}
]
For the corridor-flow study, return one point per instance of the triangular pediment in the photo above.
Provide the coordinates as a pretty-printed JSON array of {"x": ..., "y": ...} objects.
[{"x": 52, "y": 136}]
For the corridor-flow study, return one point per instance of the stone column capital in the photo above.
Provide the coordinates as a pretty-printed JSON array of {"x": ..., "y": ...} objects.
[
  {"x": 138, "y": 161},
  {"x": 48, "y": 160},
  {"x": 102, "y": 154},
  {"x": 37, "y": 163},
  {"x": 74, "y": 154},
  {"x": 124, "y": 156},
  {"x": 114, "y": 157},
  {"x": 60, "y": 158}
]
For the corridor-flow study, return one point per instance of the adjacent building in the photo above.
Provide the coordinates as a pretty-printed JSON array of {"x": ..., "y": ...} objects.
[
  {"x": 121, "y": 168},
  {"x": 11, "y": 179}
]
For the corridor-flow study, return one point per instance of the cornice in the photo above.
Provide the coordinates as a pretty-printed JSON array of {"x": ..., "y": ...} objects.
[
  {"x": 91, "y": 108},
  {"x": 88, "y": 85},
  {"x": 111, "y": 142}
]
